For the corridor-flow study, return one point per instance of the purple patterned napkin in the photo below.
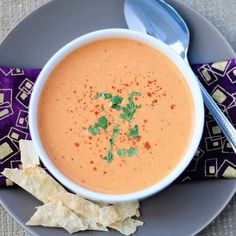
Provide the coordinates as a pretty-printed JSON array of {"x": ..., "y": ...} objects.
[{"x": 214, "y": 158}]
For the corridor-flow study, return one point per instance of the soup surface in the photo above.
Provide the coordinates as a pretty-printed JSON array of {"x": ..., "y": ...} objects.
[{"x": 115, "y": 116}]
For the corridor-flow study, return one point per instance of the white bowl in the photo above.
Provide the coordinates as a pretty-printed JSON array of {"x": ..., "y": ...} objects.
[{"x": 176, "y": 59}]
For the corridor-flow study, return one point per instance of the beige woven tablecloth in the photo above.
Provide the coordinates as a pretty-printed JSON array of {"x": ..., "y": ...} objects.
[{"x": 217, "y": 11}]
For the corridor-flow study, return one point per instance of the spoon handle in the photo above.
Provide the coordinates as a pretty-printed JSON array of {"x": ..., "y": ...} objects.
[{"x": 224, "y": 124}]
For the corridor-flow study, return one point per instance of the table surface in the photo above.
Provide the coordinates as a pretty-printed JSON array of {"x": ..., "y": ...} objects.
[{"x": 220, "y": 12}]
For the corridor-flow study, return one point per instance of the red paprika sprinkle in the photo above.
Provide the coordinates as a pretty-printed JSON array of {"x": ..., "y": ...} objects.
[
  {"x": 172, "y": 106},
  {"x": 149, "y": 94},
  {"x": 94, "y": 168},
  {"x": 76, "y": 144},
  {"x": 147, "y": 145}
]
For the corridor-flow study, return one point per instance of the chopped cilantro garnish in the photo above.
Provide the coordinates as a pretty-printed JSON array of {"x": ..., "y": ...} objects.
[
  {"x": 134, "y": 132},
  {"x": 103, "y": 95},
  {"x": 116, "y": 107},
  {"x": 130, "y": 108},
  {"x": 127, "y": 113},
  {"x": 116, "y": 99},
  {"x": 94, "y": 130},
  {"x": 122, "y": 152},
  {"x": 131, "y": 152},
  {"x": 109, "y": 157},
  {"x": 102, "y": 123},
  {"x": 115, "y": 132}
]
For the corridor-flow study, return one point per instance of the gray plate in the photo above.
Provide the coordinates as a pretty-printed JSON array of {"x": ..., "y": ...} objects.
[{"x": 180, "y": 210}]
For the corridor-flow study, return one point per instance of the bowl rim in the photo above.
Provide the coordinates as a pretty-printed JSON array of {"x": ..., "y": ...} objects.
[{"x": 189, "y": 77}]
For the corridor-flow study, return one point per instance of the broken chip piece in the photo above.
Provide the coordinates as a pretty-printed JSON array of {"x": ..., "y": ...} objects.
[
  {"x": 29, "y": 155},
  {"x": 88, "y": 210},
  {"x": 54, "y": 214},
  {"x": 118, "y": 212},
  {"x": 36, "y": 181},
  {"x": 126, "y": 227}
]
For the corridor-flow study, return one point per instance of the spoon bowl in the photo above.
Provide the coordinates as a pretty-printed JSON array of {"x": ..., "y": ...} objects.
[{"x": 163, "y": 22}]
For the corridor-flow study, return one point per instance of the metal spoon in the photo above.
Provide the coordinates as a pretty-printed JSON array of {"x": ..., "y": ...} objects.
[{"x": 159, "y": 19}]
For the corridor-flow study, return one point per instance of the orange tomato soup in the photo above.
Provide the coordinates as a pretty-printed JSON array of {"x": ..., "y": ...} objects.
[{"x": 115, "y": 116}]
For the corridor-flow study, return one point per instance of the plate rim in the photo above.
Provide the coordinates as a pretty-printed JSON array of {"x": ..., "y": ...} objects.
[{"x": 209, "y": 23}]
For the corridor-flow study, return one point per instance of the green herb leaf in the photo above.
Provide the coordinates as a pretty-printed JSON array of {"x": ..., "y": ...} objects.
[
  {"x": 134, "y": 132},
  {"x": 109, "y": 157},
  {"x": 116, "y": 107},
  {"x": 102, "y": 122},
  {"x": 127, "y": 114},
  {"x": 103, "y": 95},
  {"x": 116, "y": 99},
  {"x": 94, "y": 130},
  {"x": 115, "y": 132},
  {"x": 131, "y": 152},
  {"x": 130, "y": 108},
  {"x": 122, "y": 152}
]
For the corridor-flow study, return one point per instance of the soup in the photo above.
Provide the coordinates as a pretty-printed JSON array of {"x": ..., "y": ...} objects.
[{"x": 115, "y": 116}]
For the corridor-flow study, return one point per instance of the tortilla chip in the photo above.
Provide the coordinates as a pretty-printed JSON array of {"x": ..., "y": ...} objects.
[
  {"x": 80, "y": 205},
  {"x": 29, "y": 155},
  {"x": 88, "y": 210},
  {"x": 36, "y": 181},
  {"x": 118, "y": 212},
  {"x": 137, "y": 213},
  {"x": 126, "y": 227},
  {"x": 54, "y": 214}
]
